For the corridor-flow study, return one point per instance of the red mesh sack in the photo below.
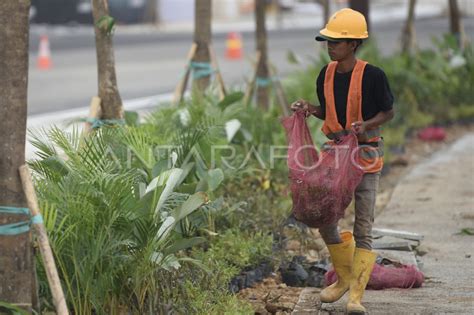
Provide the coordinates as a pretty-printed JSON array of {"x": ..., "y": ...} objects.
[
  {"x": 322, "y": 185},
  {"x": 432, "y": 134},
  {"x": 390, "y": 276}
]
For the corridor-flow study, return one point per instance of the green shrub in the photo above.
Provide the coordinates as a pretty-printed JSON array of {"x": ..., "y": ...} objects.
[
  {"x": 115, "y": 231},
  {"x": 238, "y": 249}
]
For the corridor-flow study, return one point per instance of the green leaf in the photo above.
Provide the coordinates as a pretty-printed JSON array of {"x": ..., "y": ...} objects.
[
  {"x": 172, "y": 179},
  {"x": 44, "y": 147},
  {"x": 106, "y": 23},
  {"x": 190, "y": 205},
  {"x": 131, "y": 118},
  {"x": 230, "y": 99},
  {"x": 10, "y": 309},
  {"x": 231, "y": 128},
  {"x": 246, "y": 134},
  {"x": 165, "y": 228},
  {"x": 141, "y": 144},
  {"x": 141, "y": 189},
  {"x": 293, "y": 58},
  {"x": 160, "y": 167},
  {"x": 167, "y": 262},
  {"x": 170, "y": 262},
  {"x": 201, "y": 171},
  {"x": 215, "y": 178},
  {"x": 187, "y": 188},
  {"x": 196, "y": 263},
  {"x": 55, "y": 164},
  {"x": 202, "y": 185},
  {"x": 209, "y": 232},
  {"x": 466, "y": 231},
  {"x": 186, "y": 170},
  {"x": 183, "y": 244}
]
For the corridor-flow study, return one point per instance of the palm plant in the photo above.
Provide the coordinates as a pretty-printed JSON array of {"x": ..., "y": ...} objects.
[{"x": 112, "y": 229}]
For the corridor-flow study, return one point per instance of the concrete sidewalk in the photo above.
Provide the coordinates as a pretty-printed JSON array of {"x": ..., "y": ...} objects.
[{"x": 435, "y": 199}]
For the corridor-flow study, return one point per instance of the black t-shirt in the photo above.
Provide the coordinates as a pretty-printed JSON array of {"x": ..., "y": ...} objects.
[{"x": 376, "y": 94}]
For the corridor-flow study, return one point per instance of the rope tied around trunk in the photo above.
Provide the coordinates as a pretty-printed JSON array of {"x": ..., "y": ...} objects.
[{"x": 21, "y": 226}]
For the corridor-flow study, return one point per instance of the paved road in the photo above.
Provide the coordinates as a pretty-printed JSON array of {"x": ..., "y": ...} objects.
[{"x": 151, "y": 63}]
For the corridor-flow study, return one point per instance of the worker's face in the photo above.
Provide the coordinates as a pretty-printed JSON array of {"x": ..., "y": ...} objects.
[{"x": 339, "y": 51}]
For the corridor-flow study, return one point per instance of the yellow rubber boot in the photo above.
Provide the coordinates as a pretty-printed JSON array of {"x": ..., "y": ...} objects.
[
  {"x": 361, "y": 269},
  {"x": 341, "y": 256}
]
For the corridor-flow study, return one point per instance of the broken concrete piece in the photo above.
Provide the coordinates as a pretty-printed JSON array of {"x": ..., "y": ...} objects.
[
  {"x": 401, "y": 246},
  {"x": 396, "y": 233},
  {"x": 391, "y": 239},
  {"x": 388, "y": 242},
  {"x": 403, "y": 257},
  {"x": 421, "y": 250}
]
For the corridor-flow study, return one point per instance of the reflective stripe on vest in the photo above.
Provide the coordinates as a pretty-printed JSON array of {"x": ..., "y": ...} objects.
[
  {"x": 370, "y": 158},
  {"x": 365, "y": 151},
  {"x": 374, "y": 133}
]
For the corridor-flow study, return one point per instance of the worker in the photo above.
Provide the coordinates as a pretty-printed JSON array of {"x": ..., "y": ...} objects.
[{"x": 353, "y": 95}]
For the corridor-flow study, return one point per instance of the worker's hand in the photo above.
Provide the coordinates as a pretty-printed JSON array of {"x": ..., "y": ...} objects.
[
  {"x": 304, "y": 106},
  {"x": 299, "y": 105},
  {"x": 360, "y": 127}
]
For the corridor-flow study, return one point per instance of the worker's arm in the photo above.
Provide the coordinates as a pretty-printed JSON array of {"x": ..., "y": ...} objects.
[
  {"x": 381, "y": 118},
  {"x": 317, "y": 111},
  {"x": 310, "y": 108}
]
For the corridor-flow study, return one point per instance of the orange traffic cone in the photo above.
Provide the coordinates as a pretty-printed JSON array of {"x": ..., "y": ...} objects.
[
  {"x": 44, "y": 54},
  {"x": 234, "y": 46}
]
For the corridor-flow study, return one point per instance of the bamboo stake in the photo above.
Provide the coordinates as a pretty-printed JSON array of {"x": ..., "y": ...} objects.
[
  {"x": 45, "y": 248},
  {"x": 181, "y": 87},
  {"x": 220, "y": 80},
  {"x": 95, "y": 111},
  {"x": 251, "y": 87}
]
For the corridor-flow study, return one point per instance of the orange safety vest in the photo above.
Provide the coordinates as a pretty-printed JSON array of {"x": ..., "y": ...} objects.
[{"x": 370, "y": 158}]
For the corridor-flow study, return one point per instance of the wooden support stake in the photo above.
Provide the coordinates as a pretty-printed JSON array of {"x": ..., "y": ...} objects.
[
  {"x": 95, "y": 111},
  {"x": 251, "y": 86},
  {"x": 220, "y": 80},
  {"x": 45, "y": 248},
  {"x": 181, "y": 87}
]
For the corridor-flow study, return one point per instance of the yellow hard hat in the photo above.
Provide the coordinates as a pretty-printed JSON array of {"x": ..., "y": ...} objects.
[{"x": 345, "y": 23}]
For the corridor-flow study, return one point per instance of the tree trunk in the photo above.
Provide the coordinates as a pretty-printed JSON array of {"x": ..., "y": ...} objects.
[
  {"x": 108, "y": 91},
  {"x": 327, "y": 11},
  {"x": 151, "y": 10},
  {"x": 202, "y": 37},
  {"x": 16, "y": 261},
  {"x": 363, "y": 7},
  {"x": 408, "y": 35},
  {"x": 262, "y": 67},
  {"x": 455, "y": 23}
]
